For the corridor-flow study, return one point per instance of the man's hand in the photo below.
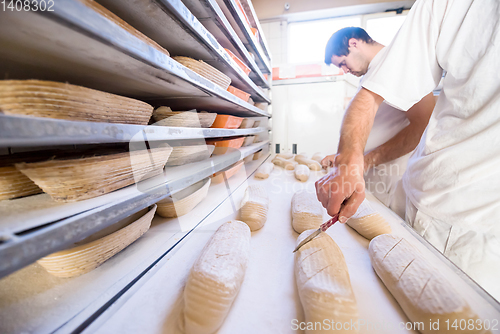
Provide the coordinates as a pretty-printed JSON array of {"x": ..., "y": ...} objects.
[
  {"x": 343, "y": 189},
  {"x": 328, "y": 161}
]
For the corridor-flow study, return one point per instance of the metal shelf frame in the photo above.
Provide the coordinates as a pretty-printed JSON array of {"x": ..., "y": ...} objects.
[
  {"x": 248, "y": 6},
  {"x": 167, "y": 18},
  {"x": 211, "y": 16},
  {"x": 19, "y": 248},
  {"x": 238, "y": 22},
  {"x": 76, "y": 44},
  {"x": 20, "y": 131}
]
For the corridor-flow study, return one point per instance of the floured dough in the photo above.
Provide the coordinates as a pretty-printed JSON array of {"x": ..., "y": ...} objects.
[
  {"x": 368, "y": 222},
  {"x": 304, "y": 160},
  {"x": 264, "y": 170},
  {"x": 254, "y": 207},
  {"x": 286, "y": 164},
  {"x": 421, "y": 290},
  {"x": 307, "y": 212},
  {"x": 323, "y": 282},
  {"x": 285, "y": 155},
  {"x": 302, "y": 173},
  {"x": 318, "y": 156},
  {"x": 216, "y": 278}
]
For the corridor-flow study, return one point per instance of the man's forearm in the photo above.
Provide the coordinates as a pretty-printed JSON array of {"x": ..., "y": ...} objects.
[
  {"x": 407, "y": 139},
  {"x": 402, "y": 143},
  {"x": 356, "y": 126}
]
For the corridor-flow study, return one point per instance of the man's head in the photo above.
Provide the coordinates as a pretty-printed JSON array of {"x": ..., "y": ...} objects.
[{"x": 349, "y": 49}]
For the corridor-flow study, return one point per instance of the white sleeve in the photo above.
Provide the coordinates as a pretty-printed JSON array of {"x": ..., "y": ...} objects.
[{"x": 409, "y": 69}]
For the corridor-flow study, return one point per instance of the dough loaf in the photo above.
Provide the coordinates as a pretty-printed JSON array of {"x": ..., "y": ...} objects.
[
  {"x": 323, "y": 282},
  {"x": 318, "y": 156},
  {"x": 302, "y": 173},
  {"x": 254, "y": 207},
  {"x": 368, "y": 222},
  {"x": 264, "y": 170},
  {"x": 307, "y": 212},
  {"x": 286, "y": 164},
  {"x": 285, "y": 155},
  {"x": 216, "y": 278},
  {"x": 304, "y": 160},
  {"x": 421, "y": 290}
]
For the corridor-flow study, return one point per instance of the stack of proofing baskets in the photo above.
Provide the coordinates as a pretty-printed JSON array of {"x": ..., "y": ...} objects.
[{"x": 69, "y": 178}]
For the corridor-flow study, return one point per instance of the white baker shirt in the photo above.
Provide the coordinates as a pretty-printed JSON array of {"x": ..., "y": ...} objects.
[
  {"x": 384, "y": 180},
  {"x": 453, "y": 178}
]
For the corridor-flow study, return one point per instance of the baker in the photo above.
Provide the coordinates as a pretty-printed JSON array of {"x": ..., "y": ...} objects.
[
  {"x": 394, "y": 134},
  {"x": 452, "y": 180}
]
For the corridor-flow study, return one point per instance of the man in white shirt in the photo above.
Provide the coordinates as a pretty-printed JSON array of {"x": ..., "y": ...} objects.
[
  {"x": 394, "y": 134},
  {"x": 453, "y": 178}
]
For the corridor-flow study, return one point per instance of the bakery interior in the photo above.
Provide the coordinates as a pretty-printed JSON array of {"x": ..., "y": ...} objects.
[{"x": 160, "y": 163}]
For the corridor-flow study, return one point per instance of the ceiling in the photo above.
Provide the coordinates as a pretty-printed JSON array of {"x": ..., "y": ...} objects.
[{"x": 299, "y": 10}]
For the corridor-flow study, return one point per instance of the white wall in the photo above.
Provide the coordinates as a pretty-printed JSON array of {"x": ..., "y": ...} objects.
[{"x": 309, "y": 115}]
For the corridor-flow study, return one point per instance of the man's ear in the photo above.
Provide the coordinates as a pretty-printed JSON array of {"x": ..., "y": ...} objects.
[{"x": 353, "y": 42}]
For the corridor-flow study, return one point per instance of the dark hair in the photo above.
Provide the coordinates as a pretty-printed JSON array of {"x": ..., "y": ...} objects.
[{"x": 338, "y": 44}]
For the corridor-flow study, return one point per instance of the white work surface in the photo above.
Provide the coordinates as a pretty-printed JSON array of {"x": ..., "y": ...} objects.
[{"x": 268, "y": 300}]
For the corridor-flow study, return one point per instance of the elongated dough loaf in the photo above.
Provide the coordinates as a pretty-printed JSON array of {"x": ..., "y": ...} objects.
[
  {"x": 302, "y": 173},
  {"x": 318, "y": 156},
  {"x": 300, "y": 158},
  {"x": 324, "y": 285},
  {"x": 304, "y": 160},
  {"x": 264, "y": 170},
  {"x": 286, "y": 164},
  {"x": 216, "y": 278},
  {"x": 254, "y": 207},
  {"x": 368, "y": 222},
  {"x": 285, "y": 155},
  {"x": 307, "y": 212},
  {"x": 421, "y": 290}
]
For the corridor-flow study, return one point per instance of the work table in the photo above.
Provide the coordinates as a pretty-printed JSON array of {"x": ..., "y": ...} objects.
[{"x": 268, "y": 301}]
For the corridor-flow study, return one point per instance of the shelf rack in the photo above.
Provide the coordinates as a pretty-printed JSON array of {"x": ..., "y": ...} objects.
[
  {"x": 72, "y": 305},
  {"x": 211, "y": 16},
  {"x": 252, "y": 16},
  {"x": 166, "y": 18},
  {"x": 20, "y": 131},
  {"x": 77, "y": 44},
  {"x": 40, "y": 234},
  {"x": 239, "y": 24}
]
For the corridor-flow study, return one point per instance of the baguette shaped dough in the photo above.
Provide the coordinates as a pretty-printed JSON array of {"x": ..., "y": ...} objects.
[
  {"x": 307, "y": 212},
  {"x": 302, "y": 173},
  {"x": 323, "y": 282},
  {"x": 216, "y": 278},
  {"x": 304, "y": 160},
  {"x": 370, "y": 226},
  {"x": 368, "y": 222},
  {"x": 254, "y": 207},
  {"x": 286, "y": 164},
  {"x": 285, "y": 155},
  {"x": 421, "y": 290},
  {"x": 301, "y": 158},
  {"x": 264, "y": 170},
  {"x": 318, "y": 156}
]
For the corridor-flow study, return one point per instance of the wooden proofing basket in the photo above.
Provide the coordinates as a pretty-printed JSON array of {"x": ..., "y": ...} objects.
[
  {"x": 182, "y": 155},
  {"x": 91, "y": 252},
  {"x": 184, "y": 201},
  {"x": 164, "y": 116},
  {"x": 70, "y": 180},
  {"x": 247, "y": 123},
  {"x": 206, "y": 71},
  {"x": 15, "y": 184},
  {"x": 65, "y": 101}
]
